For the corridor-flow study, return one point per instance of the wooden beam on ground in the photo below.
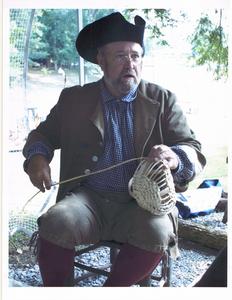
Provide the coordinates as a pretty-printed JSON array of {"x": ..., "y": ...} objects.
[{"x": 208, "y": 237}]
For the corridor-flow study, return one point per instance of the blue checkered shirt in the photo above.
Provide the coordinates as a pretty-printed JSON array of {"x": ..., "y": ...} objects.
[{"x": 118, "y": 143}]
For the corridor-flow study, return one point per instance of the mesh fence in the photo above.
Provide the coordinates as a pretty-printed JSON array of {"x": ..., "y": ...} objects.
[
  {"x": 19, "y": 220},
  {"x": 22, "y": 221},
  {"x": 18, "y": 27},
  {"x": 26, "y": 219}
]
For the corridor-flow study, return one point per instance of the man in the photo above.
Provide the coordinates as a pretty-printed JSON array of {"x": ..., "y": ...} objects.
[{"x": 99, "y": 125}]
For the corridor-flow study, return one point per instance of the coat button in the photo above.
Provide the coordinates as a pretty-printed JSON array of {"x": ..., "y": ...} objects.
[
  {"x": 94, "y": 158},
  {"x": 87, "y": 171}
]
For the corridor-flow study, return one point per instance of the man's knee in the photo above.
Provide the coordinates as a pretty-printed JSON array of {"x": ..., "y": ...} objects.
[
  {"x": 58, "y": 216},
  {"x": 144, "y": 230},
  {"x": 69, "y": 222},
  {"x": 56, "y": 225}
]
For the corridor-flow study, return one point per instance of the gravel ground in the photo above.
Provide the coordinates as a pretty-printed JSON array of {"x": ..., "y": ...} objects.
[{"x": 193, "y": 261}]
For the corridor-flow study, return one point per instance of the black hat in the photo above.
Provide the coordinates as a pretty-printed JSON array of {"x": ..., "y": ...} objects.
[{"x": 112, "y": 28}]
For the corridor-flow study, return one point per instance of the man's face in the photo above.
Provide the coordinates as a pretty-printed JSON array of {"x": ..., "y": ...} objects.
[{"x": 121, "y": 63}]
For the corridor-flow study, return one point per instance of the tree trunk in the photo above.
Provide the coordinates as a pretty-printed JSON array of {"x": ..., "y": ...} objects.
[
  {"x": 26, "y": 48},
  {"x": 81, "y": 70},
  {"x": 215, "y": 239}
]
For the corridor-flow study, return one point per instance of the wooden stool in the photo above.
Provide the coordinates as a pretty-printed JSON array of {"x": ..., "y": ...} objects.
[{"x": 163, "y": 278}]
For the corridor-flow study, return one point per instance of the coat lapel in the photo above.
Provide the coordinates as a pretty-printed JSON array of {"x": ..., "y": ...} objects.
[
  {"x": 97, "y": 118},
  {"x": 145, "y": 113},
  {"x": 97, "y": 115}
]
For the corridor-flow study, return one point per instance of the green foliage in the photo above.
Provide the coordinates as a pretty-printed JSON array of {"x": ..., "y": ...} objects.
[
  {"x": 156, "y": 21},
  {"x": 18, "y": 22},
  {"x": 39, "y": 47},
  {"x": 209, "y": 47},
  {"x": 91, "y": 15},
  {"x": 54, "y": 33}
]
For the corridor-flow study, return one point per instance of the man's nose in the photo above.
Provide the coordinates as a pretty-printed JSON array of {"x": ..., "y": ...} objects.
[{"x": 129, "y": 61}]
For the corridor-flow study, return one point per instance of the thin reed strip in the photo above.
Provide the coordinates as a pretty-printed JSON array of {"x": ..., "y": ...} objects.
[{"x": 83, "y": 176}]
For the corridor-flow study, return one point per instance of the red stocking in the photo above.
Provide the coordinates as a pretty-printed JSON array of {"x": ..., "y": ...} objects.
[
  {"x": 56, "y": 264},
  {"x": 132, "y": 265}
]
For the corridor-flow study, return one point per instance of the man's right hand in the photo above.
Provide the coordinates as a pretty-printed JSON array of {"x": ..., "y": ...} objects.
[{"x": 39, "y": 172}]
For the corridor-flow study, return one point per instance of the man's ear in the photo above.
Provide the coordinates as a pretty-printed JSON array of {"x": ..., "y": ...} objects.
[{"x": 101, "y": 60}]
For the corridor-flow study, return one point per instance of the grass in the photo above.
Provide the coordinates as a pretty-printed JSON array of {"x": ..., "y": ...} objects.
[
  {"x": 18, "y": 241},
  {"x": 216, "y": 167}
]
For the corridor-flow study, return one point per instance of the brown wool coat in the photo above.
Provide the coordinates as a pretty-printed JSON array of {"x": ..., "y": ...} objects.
[{"x": 75, "y": 125}]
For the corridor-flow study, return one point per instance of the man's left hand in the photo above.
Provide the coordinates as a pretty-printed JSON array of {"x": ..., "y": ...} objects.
[{"x": 165, "y": 153}]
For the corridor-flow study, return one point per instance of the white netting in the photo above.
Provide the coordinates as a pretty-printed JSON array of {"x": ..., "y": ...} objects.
[
  {"x": 26, "y": 219},
  {"x": 18, "y": 27},
  {"x": 17, "y": 102},
  {"x": 22, "y": 221}
]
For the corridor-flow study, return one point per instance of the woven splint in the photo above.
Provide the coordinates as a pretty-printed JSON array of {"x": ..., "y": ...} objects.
[{"x": 153, "y": 188}]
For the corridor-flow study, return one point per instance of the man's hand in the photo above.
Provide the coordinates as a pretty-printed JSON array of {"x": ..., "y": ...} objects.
[
  {"x": 165, "y": 153},
  {"x": 39, "y": 172}
]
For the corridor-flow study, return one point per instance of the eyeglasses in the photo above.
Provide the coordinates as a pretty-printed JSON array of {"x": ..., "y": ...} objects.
[{"x": 122, "y": 58}]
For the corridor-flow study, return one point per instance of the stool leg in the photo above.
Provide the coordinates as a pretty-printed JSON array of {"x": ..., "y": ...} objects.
[
  {"x": 169, "y": 273},
  {"x": 167, "y": 270},
  {"x": 113, "y": 255},
  {"x": 145, "y": 282},
  {"x": 70, "y": 281}
]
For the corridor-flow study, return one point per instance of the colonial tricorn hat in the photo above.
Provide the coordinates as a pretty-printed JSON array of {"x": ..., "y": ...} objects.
[{"x": 112, "y": 28}]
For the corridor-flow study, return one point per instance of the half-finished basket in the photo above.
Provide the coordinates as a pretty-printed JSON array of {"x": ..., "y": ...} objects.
[{"x": 153, "y": 188}]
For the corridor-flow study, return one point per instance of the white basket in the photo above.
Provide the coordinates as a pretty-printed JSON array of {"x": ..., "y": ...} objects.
[{"x": 153, "y": 188}]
